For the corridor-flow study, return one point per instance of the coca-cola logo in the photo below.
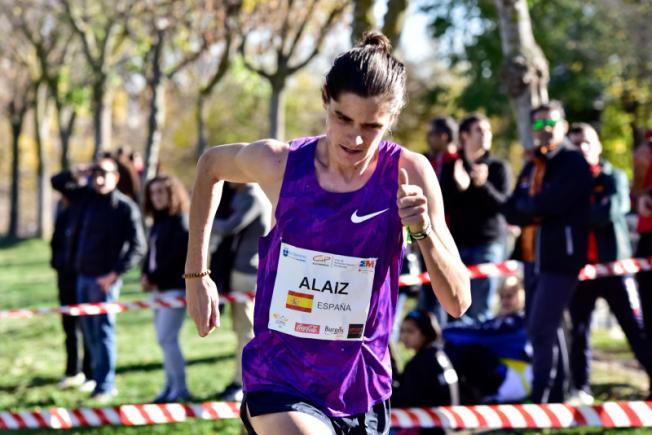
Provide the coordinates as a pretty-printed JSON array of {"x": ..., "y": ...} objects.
[{"x": 306, "y": 328}]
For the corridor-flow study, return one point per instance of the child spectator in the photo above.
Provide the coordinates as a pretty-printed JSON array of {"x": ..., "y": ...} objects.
[
  {"x": 511, "y": 297},
  {"x": 429, "y": 378},
  {"x": 166, "y": 201},
  {"x": 491, "y": 357}
]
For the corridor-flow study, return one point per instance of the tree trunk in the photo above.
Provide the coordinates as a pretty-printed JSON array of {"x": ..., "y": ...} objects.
[
  {"x": 202, "y": 134},
  {"x": 525, "y": 69},
  {"x": 394, "y": 19},
  {"x": 65, "y": 132},
  {"x": 17, "y": 115},
  {"x": 156, "y": 113},
  {"x": 363, "y": 19},
  {"x": 277, "y": 111},
  {"x": 98, "y": 108},
  {"x": 44, "y": 214},
  {"x": 101, "y": 116}
]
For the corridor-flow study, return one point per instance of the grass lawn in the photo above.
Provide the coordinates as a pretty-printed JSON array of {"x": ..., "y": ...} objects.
[
  {"x": 32, "y": 357},
  {"x": 32, "y": 353}
]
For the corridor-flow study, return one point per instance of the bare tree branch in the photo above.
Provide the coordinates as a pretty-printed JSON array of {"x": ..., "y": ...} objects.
[{"x": 320, "y": 39}]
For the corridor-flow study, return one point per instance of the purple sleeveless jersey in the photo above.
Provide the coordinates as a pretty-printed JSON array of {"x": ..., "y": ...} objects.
[{"x": 342, "y": 377}]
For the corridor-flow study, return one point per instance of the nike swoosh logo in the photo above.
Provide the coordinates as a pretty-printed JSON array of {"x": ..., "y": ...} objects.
[{"x": 359, "y": 219}]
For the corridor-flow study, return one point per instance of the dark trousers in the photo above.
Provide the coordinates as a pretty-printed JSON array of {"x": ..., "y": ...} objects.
[
  {"x": 644, "y": 280},
  {"x": 67, "y": 284},
  {"x": 621, "y": 300},
  {"x": 547, "y": 295}
]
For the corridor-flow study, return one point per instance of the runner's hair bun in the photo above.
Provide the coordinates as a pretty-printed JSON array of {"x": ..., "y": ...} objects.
[{"x": 377, "y": 40}]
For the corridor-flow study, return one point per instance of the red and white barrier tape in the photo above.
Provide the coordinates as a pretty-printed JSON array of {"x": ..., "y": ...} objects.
[
  {"x": 512, "y": 267},
  {"x": 485, "y": 270},
  {"x": 616, "y": 268},
  {"x": 116, "y": 307},
  {"x": 609, "y": 414},
  {"x": 124, "y": 415}
]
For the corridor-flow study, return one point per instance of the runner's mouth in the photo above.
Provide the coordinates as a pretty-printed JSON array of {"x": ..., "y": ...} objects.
[{"x": 350, "y": 151}]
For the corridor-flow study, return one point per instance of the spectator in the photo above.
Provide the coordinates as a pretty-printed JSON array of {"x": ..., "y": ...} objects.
[
  {"x": 111, "y": 240},
  {"x": 250, "y": 220},
  {"x": 442, "y": 148},
  {"x": 608, "y": 241},
  {"x": 642, "y": 191},
  {"x": 491, "y": 357},
  {"x": 475, "y": 187},
  {"x": 552, "y": 202},
  {"x": 167, "y": 202},
  {"x": 442, "y": 142},
  {"x": 429, "y": 378},
  {"x": 511, "y": 297},
  {"x": 64, "y": 242},
  {"x": 129, "y": 180},
  {"x": 221, "y": 248}
]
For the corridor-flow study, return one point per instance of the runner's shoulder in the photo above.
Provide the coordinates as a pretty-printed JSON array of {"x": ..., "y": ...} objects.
[
  {"x": 415, "y": 164},
  {"x": 266, "y": 155}
]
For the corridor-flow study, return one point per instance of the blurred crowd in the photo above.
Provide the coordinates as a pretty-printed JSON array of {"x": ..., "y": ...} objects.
[{"x": 524, "y": 339}]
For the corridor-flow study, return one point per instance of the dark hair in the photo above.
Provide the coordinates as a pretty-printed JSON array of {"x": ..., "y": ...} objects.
[
  {"x": 446, "y": 125},
  {"x": 470, "y": 120},
  {"x": 426, "y": 323},
  {"x": 105, "y": 155},
  {"x": 179, "y": 201},
  {"x": 368, "y": 70},
  {"x": 550, "y": 106},
  {"x": 579, "y": 128}
]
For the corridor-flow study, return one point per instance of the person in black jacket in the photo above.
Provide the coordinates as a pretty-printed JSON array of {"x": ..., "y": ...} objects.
[
  {"x": 475, "y": 187},
  {"x": 166, "y": 201},
  {"x": 551, "y": 201},
  {"x": 110, "y": 241},
  {"x": 429, "y": 378},
  {"x": 66, "y": 226},
  {"x": 608, "y": 241}
]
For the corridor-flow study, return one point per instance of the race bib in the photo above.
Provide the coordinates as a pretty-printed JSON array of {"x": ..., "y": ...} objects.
[{"x": 321, "y": 295}]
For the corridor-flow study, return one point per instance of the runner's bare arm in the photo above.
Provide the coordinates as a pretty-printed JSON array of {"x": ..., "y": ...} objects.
[
  {"x": 261, "y": 162},
  {"x": 420, "y": 202}
]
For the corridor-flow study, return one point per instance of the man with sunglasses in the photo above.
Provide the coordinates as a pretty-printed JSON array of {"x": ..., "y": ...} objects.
[
  {"x": 551, "y": 202},
  {"x": 110, "y": 241}
]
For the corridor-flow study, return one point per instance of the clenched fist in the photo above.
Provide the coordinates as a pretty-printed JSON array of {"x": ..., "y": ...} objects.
[
  {"x": 202, "y": 300},
  {"x": 412, "y": 204}
]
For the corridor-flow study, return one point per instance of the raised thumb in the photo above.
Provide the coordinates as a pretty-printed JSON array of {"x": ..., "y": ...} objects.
[{"x": 403, "y": 177}]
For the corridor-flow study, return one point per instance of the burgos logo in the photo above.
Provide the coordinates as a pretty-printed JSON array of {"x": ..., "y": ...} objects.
[
  {"x": 367, "y": 264},
  {"x": 323, "y": 260}
]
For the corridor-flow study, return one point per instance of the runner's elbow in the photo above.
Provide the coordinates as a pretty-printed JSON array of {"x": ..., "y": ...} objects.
[{"x": 461, "y": 299}]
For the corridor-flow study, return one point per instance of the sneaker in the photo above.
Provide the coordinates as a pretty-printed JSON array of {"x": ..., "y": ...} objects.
[
  {"x": 88, "y": 386},
  {"x": 232, "y": 393},
  {"x": 180, "y": 398},
  {"x": 580, "y": 398},
  {"x": 104, "y": 396},
  {"x": 162, "y": 397},
  {"x": 72, "y": 381}
]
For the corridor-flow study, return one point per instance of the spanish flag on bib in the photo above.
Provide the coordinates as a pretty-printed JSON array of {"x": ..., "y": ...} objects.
[{"x": 299, "y": 301}]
